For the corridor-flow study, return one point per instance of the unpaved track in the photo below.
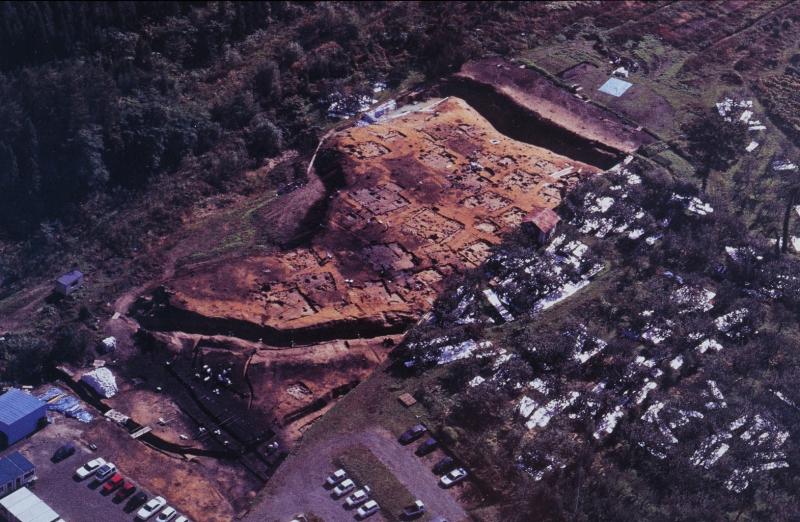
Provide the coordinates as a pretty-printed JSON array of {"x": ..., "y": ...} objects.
[{"x": 298, "y": 487}]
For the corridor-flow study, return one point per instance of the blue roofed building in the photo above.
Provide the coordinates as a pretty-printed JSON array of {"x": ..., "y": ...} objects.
[
  {"x": 20, "y": 415},
  {"x": 69, "y": 282},
  {"x": 15, "y": 472}
]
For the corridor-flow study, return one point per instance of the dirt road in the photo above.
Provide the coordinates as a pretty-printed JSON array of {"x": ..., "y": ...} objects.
[{"x": 298, "y": 487}]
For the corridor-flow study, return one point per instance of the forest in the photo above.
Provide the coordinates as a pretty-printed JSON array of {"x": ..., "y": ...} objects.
[{"x": 141, "y": 108}]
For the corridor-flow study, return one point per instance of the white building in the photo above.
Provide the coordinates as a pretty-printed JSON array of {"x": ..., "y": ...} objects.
[{"x": 23, "y": 506}]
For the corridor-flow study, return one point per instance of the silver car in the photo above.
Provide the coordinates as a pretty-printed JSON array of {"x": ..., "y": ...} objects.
[
  {"x": 346, "y": 486},
  {"x": 368, "y": 509}
]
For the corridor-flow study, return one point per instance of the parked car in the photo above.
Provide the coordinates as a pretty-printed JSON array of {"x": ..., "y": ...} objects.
[
  {"x": 125, "y": 491},
  {"x": 412, "y": 434},
  {"x": 64, "y": 452},
  {"x": 358, "y": 497},
  {"x": 414, "y": 510},
  {"x": 89, "y": 468},
  {"x": 444, "y": 465},
  {"x": 167, "y": 514},
  {"x": 335, "y": 477},
  {"x": 300, "y": 517},
  {"x": 454, "y": 477},
  {"x": 439, "y": 519},
  {"x": 138, "y": 500},
  {"x": 104, "y": 472},
  {"x": 182, "y": 518},
  {"x": 113, "y": 483},
  {"x": 344, "y": 487},
  {"x": 426, "y": 447},
  {"x": 151, "y": 508},
  {"x": 370, "y": 507}
]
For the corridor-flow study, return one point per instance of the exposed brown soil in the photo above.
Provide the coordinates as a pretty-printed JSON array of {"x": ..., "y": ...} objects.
[
  {"x": 271, "y": 383},
  {"x": 427, "y": 194}
]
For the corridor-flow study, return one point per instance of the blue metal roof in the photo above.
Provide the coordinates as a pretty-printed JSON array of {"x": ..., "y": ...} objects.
[
  {"x": 20, "y": 461},
  {"x": 70, "y": 277},
  {"x": 16, "y": 404},
  {"x": 13, "y": 466}
]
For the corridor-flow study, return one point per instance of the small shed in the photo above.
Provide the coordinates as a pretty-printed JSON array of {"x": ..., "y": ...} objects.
[
  {"x": 69, "y": 282},
  {"x": 15, "y": 472},
  {"x": 20, "y": 415},
  {"x": 541, "y": 222}
]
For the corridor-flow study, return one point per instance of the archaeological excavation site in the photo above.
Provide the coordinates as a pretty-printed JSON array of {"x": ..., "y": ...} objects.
[
  {"x": 318, "y": 262},
  {"x": 418, "y": 196}
]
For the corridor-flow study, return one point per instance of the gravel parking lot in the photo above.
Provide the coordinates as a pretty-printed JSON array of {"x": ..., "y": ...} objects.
[
  {"x": 298, "y": 486},
  {"x": 75, "y": 501}
]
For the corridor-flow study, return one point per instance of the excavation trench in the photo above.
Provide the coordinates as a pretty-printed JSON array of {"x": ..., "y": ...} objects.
[
  {"x": 522, "y": 124},
  {"x": 167, "y": 318},
  {"x": 131, "y": 425}
]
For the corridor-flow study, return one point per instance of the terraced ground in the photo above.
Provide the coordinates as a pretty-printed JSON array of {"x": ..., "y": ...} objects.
[{"x": 412, "y": 201}]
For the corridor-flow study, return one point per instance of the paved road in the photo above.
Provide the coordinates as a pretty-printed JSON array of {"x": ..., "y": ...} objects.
[{"x": 297, "y": 487}]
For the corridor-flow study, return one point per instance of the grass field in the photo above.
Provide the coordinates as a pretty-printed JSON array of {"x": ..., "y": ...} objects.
[{"x": 366, "y": 468}]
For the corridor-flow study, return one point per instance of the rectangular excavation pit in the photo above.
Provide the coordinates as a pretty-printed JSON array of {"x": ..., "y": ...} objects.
[
  {"x": 380, "y": 200},
  {"x": 389, "y": 257},
  {"x": 491, "y": 201},
  {"x": 476, "y": 253},
  {"x": 429, "y": 225}
]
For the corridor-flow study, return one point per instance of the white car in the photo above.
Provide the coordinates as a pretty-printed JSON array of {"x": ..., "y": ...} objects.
[
  {"x": 369, "y": 508},
  {"x": 182, "y": 518},
  {"x": 346, "y": 486},
  {"x": 105, "y": 472},
  {"x": 150, "y": 509},
  {"x": 454, "y": 477},
  {"x": 167, "y": 514},
  {"x": 357, "y": 498},
  {"x": 89, "y": 468},
  {"x": 336, "y": 477}
]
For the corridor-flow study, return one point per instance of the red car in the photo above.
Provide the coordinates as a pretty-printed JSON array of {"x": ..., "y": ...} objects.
[
  {"x": 113, "y": 483},
  {"x": 125, "y": 491}
]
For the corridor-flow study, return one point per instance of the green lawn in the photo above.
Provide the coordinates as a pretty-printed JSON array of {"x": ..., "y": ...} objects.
[{"x": 366, "y": 468}]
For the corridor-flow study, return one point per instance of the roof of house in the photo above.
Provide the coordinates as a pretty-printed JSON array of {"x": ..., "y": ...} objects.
[
  {"x": 12, "y": 466},
  {"x": 544, "y": 219},
  {"x": 70, "y": 277},
  {"x": 16, "y": 404},
  {"x": 27, "y": 507}
]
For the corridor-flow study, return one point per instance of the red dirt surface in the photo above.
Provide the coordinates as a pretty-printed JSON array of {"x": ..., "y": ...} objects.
[{"x": 424, "y": 195}]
